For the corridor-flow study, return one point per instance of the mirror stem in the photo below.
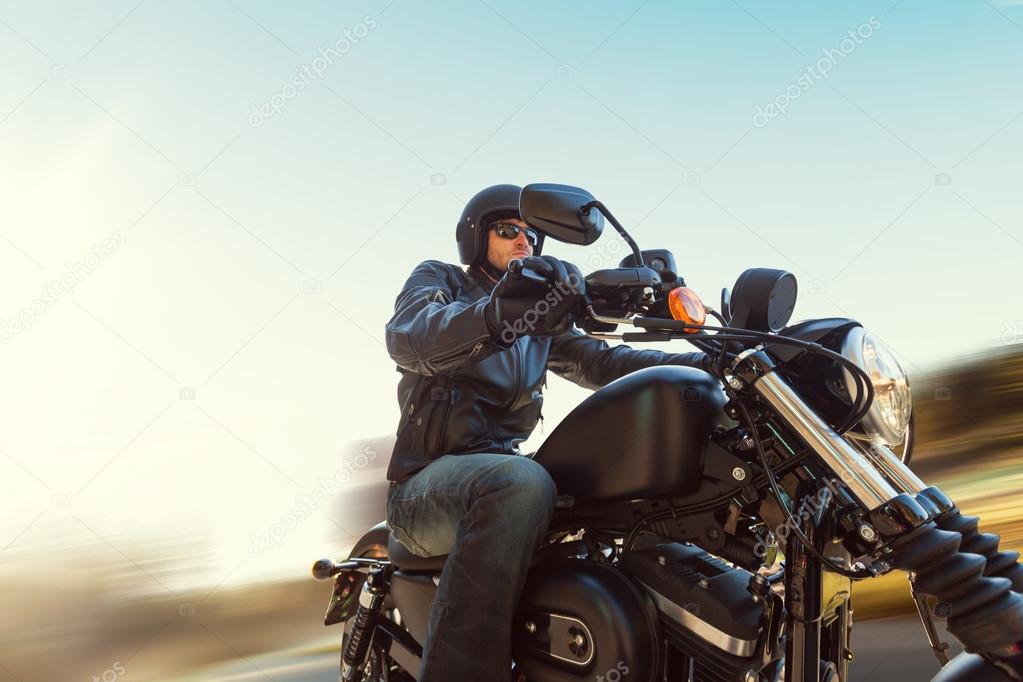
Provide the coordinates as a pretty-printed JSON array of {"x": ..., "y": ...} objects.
[{"x": 617, "y": 225}]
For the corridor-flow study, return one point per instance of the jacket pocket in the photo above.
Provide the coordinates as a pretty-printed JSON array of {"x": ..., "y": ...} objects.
[
  {"x": 425, "y": 418},
  {"x": 443, "y": 397},
  {"x": 416, "y": 415}
]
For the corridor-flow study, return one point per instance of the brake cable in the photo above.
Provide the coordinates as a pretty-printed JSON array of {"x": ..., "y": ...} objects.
[
  {"x": 708, "y": 505},
  {"x": 864, "y": 386},
  {"x": 807, "y": 544}
]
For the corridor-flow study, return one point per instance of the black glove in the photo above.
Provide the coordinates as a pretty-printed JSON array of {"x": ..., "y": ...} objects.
[{"x": 538, "y": 296}]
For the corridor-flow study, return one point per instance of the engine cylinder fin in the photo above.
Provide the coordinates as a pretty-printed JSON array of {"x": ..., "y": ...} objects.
[{"x": 710, "y": 664}]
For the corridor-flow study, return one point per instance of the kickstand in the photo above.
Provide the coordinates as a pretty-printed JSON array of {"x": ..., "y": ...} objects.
[{"x": 939, "y": 647}]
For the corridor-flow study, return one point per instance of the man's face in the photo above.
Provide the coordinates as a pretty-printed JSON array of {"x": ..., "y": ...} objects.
[{"x": 503, "y": 250}]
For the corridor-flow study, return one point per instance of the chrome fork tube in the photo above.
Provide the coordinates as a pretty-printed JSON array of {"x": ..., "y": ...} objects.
[
  {"x": 893, "y": 467},
  {"x": 869, "y": 488}
]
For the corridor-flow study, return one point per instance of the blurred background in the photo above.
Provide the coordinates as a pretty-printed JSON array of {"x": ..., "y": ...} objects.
[{"x": 207, "y": 209}]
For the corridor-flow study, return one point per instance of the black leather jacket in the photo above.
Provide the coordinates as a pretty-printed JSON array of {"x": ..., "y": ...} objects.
[{"x": 461, "y": 391}]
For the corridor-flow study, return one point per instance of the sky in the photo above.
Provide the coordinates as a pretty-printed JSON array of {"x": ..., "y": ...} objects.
[{"x": 208, "y": 208}]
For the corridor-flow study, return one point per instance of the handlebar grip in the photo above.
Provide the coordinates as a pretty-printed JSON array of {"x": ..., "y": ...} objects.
[{"x": 518, "y": 267}]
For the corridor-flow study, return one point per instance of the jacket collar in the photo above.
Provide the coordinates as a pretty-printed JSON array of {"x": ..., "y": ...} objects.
[{"x": 485, "y": 276}]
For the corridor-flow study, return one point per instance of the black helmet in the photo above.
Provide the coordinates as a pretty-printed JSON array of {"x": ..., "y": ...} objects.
[{"x": 490, "y": 204}]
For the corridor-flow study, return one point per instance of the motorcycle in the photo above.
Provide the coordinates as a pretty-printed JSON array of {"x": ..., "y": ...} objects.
[{"x": 710, "y": 528}]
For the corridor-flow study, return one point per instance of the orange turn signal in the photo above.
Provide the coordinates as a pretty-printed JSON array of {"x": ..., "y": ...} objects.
[{"x": 686, "y": 306}]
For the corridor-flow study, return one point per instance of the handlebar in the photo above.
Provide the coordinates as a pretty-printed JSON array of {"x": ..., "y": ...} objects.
[{"x": 517, "y": 267}]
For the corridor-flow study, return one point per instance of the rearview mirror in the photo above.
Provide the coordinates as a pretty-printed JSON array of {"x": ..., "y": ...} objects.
[{"x": 557, "y": 211}]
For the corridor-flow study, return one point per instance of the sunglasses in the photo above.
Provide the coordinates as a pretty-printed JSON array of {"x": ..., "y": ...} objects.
[{"x": 510, "y": 231}]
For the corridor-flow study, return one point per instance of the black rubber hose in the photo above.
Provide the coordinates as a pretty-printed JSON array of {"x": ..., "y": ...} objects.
[
  {"x": 983, "y": 612},
  {"x": 999, "y": 564},
  {"x": 740, "y": 553}
]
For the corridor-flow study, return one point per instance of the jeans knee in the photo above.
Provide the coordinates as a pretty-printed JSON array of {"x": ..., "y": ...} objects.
[{"x": 532, "y": 489}]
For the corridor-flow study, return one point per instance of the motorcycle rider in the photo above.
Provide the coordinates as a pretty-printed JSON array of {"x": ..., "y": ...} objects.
[{"x": 473, "y": 346}]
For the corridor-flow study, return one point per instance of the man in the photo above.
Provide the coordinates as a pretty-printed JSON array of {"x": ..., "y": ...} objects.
[{"x": 473, "y": 347}]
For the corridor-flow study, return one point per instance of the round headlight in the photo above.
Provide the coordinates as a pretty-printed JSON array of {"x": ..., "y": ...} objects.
[{"x": 888, "y": 418}]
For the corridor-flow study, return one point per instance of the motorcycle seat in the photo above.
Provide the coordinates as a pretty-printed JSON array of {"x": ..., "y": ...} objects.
[{"x": 407, "y": 561}]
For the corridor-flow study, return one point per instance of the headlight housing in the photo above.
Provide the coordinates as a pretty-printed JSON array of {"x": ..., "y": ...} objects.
[{"x": 888, "y": 417}]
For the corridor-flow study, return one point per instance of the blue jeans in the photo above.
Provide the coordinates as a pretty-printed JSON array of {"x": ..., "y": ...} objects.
[{"x": 488, "y": 513}]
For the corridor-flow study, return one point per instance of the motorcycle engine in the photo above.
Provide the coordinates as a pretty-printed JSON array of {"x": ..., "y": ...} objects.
[
  {"x": 580, "y": 620},
  {"x": 706, "y": 610}
]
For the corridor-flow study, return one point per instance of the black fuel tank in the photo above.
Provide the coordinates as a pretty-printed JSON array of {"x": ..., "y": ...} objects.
[{"x": 641, "y": 436}]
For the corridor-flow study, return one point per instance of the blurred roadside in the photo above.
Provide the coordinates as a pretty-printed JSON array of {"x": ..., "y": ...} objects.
[
  {"x": 72, "y": 615},
  {"x": 969, "y": 421}
]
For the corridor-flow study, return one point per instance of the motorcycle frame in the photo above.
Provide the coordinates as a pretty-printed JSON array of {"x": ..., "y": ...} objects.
[{"x": 817, "y": 628}]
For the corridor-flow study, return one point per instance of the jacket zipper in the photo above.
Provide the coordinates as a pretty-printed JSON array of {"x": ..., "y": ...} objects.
[
  {"x": 455, "y": 352},
  {"x": 437, "y": 434},
  {"x": 541, "y": 401},
  {"x": 516, "y": 362}
]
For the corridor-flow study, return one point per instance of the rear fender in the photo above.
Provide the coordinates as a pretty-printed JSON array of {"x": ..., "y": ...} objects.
[
  {"x": 344, "y": 601},
  {"x": 372, "y": 545}
]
